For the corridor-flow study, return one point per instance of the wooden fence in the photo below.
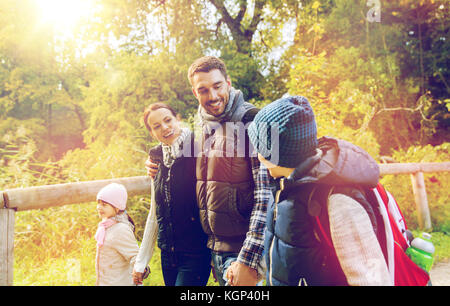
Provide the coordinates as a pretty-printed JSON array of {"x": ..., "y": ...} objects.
[{"x": 39, "y": 197}]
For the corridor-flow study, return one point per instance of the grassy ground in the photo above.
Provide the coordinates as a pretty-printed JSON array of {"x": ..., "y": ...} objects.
[
  {"x": 73, "y": 269},
  {"x": 77, "y": 268},
  {"x": 55, "y": 247},
  {"x": 441, "y": 242}
]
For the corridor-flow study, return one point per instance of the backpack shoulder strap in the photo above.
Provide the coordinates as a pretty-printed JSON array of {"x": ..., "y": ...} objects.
[
  {"x": 317, "y": 209},
  {"x": 404, "y": 271},
  {"x": 250, "y": 115},
  {"x": 321, "y": 196},
  {"x": 383, "y": 194}
]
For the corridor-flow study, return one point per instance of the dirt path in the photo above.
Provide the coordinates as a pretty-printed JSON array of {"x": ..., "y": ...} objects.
[{"x": 440, "y": 273}]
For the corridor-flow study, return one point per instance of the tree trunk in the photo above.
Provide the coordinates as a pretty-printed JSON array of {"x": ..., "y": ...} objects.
[{"x": 242, "y": 35}]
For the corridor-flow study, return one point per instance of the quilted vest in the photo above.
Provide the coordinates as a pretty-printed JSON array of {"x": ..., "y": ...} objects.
[
  {"x": 297, "y": 251},
  {"x": 225, "y": 186},
  {"x": 295, "y": 255}
]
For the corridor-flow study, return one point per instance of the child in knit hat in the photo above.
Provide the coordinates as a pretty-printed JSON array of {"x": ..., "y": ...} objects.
[
  {"x": 117, "y": 247},
  {"x": 316, "y": 179}
]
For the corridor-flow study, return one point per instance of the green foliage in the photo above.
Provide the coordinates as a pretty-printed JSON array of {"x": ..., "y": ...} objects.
[
  {"x": 244, "y": 73},
  {"x": 436, "y": 185},
  {"x": 341, "y": 109},
  {"x": 441, "y": 241},
  {"x": 19, "y": 156},
  {"x": 71, "y": 105}
]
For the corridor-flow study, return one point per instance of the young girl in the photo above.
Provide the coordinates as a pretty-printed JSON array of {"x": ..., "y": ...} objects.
[
  {"x": 117, "y": 247},
  {"x": 185, "y": 259}
]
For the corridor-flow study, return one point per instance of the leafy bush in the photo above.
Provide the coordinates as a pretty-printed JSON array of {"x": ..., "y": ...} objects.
[{"x": 437, "y": 186}]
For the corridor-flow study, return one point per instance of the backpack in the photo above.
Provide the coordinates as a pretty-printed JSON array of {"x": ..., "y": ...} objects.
[
  {"x": 250, "y": 115},
  {"x": 403, "y": 271}
]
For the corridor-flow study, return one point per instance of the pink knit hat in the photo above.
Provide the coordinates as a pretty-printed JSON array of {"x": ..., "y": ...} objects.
[{"x": 114, "y": 194}]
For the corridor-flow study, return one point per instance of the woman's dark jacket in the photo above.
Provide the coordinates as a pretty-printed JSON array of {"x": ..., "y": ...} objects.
[{"x": 179, "y": 228}]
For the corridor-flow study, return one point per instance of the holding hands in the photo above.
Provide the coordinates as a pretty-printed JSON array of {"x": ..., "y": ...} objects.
[
  {"x": 239, "y": 274},
  {"x": 152, "y": 168},
  {"x": 138, "y": 277}
]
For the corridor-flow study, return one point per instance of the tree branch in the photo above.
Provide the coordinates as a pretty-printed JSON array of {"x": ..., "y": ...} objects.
[
  {"x": 241, "y": 35},
  {"x": 407, "y": 109},
  {"x": 259, "y": 4},
  {"x": 220, "y": 6},
  {"x": 242, "y": 10}
]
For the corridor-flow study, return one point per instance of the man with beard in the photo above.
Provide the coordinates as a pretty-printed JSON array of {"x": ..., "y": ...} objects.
[{"x": 232, "y": 189}]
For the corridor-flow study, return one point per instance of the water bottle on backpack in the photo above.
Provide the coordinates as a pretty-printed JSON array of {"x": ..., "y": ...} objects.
[{"x": 421, "y": 251}]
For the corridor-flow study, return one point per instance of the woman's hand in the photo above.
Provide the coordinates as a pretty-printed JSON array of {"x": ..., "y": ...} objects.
[
  {"x": 137, "y": 277},
  {"x": 152, "y": 168}
]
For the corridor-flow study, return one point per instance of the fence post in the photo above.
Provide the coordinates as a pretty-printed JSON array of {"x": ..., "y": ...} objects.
[
  {"x": 6, "y": 246},
  {"x": 420, "y": 196}
]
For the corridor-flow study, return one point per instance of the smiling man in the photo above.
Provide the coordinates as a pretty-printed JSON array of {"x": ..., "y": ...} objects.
[
  {"x": 212, "y": 91},
  {"x": 232, "y": 191},
  {"x": 232, "y": 188}
]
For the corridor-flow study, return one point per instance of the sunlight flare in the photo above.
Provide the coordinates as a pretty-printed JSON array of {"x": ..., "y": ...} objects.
[{"x": 64, "y": 15}]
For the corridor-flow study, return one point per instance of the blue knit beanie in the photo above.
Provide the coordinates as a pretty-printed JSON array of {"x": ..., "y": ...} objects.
[{"x": 284, "y": 132}]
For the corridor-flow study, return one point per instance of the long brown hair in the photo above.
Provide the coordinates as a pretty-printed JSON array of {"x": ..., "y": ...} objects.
[{"x": 153, "y": 107}]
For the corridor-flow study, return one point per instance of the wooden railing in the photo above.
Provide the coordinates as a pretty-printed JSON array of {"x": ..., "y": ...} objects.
[{"x": 39, "y": 197}]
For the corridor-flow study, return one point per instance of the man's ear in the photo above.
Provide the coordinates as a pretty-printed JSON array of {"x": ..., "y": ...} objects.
[{"x": 194, "y": 92}]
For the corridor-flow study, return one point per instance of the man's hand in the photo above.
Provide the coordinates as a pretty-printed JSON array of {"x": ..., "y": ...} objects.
[
  {"x": 239, "y": 274},
  {"x": 152, "y": 168},
  {"x": 137, "y": 277}
]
